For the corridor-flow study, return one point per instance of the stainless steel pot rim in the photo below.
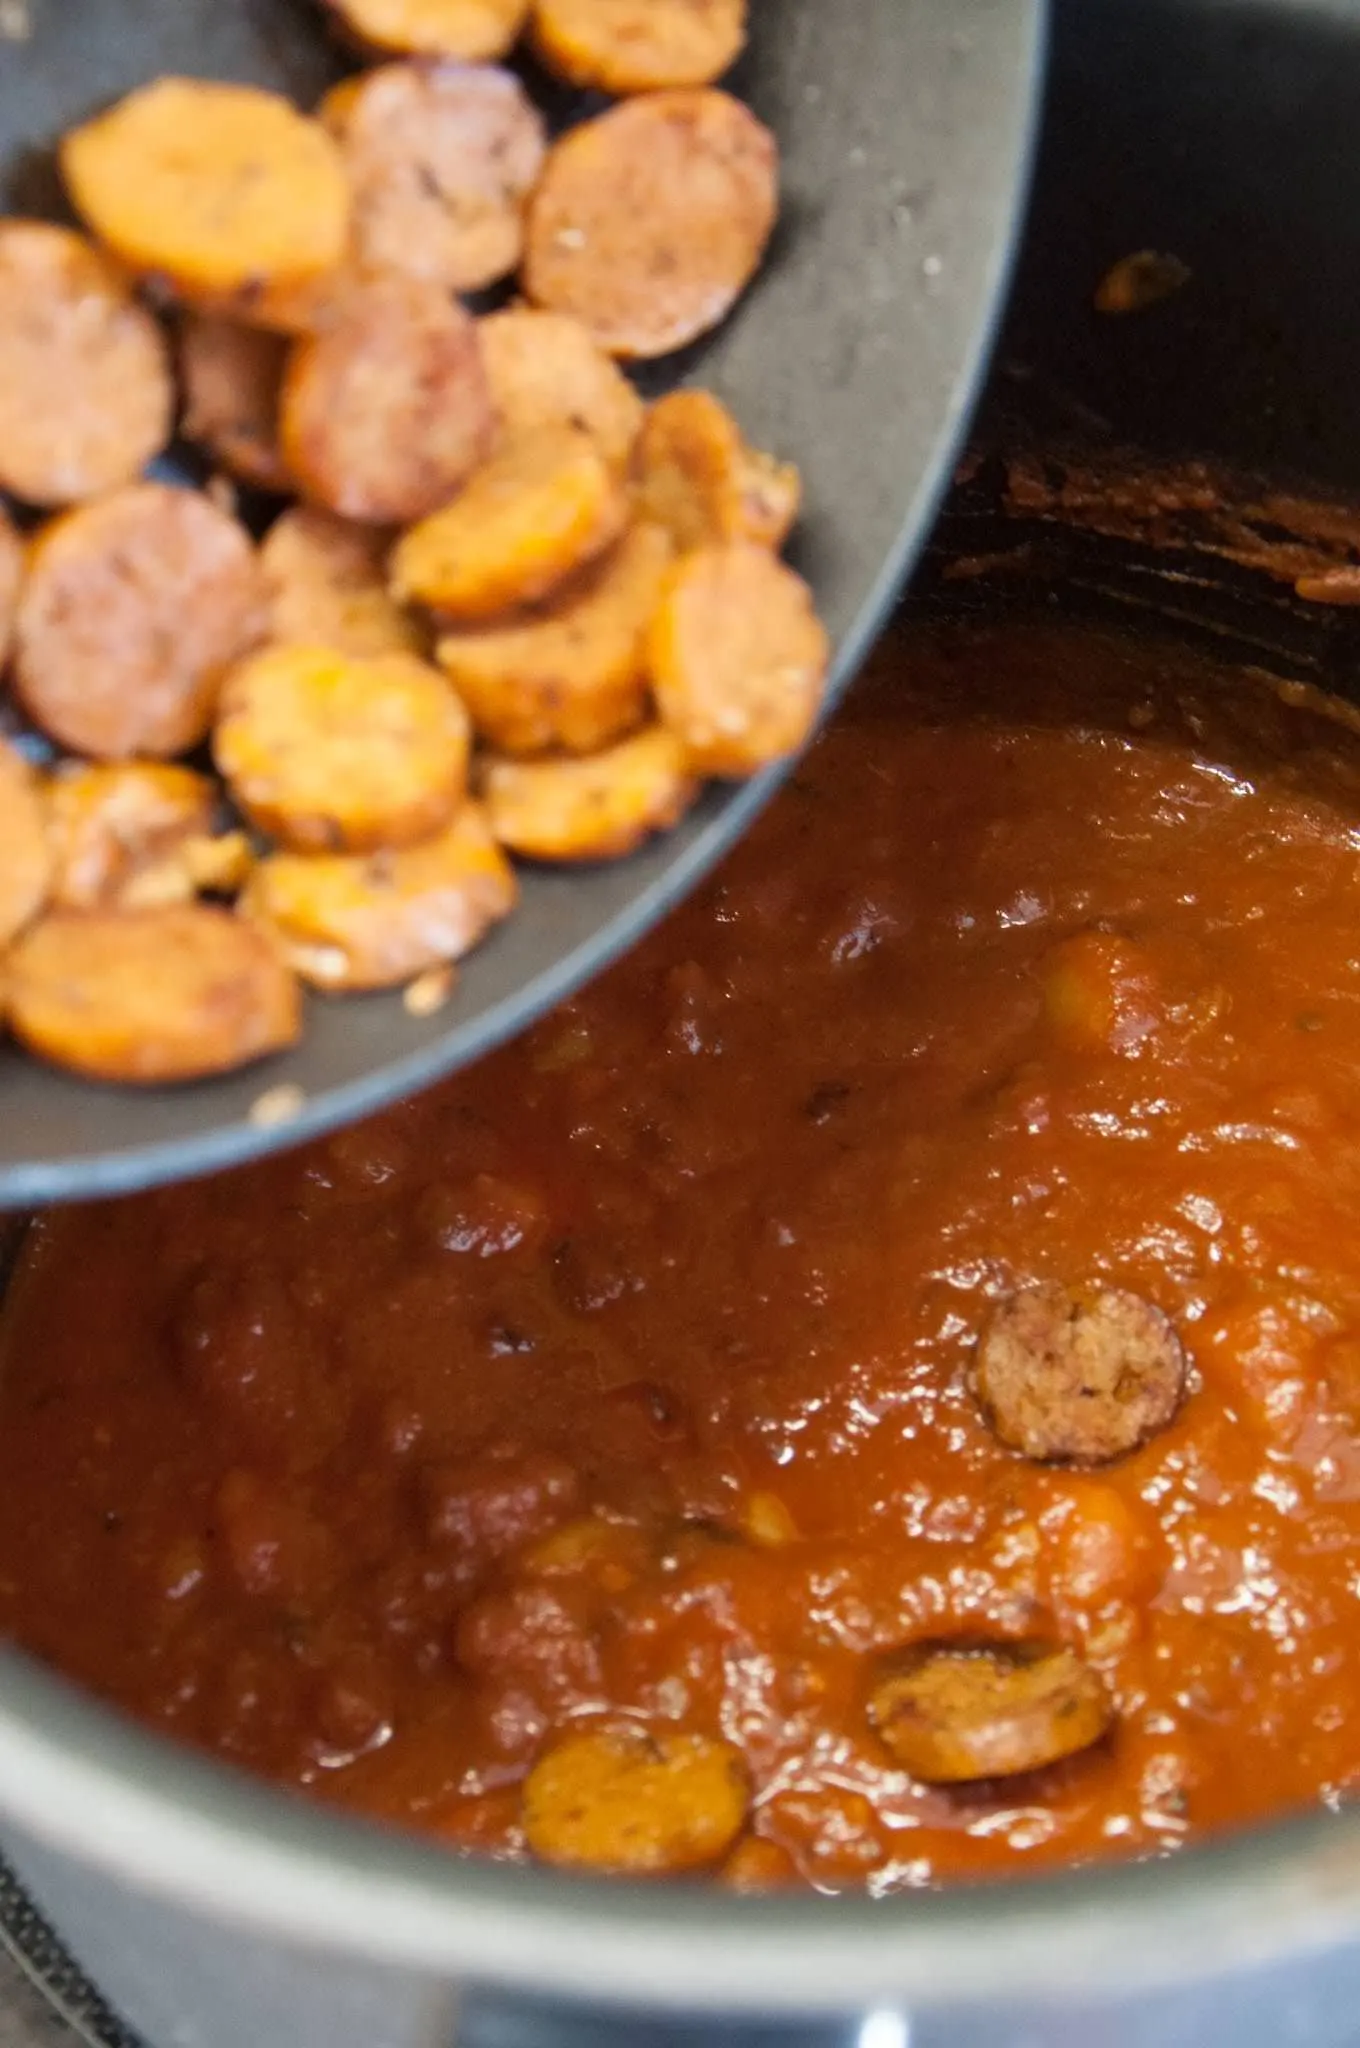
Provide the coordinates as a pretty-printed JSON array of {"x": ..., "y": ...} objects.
[{"x": 86, "y": 1781}]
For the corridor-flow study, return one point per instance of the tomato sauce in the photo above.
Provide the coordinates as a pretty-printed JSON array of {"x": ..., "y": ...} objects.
[{"x": 628, "y": 1379}]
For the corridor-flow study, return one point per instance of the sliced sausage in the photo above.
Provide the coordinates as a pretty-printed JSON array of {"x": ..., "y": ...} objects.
[
  {"x": 546, "y": 370},
  {"x": 623, "y": 46},
  {"x": 467, "y": 29},
  {"x": 738, "y": 659},
  {"x": 329, "y": 751},
  {"x": 134, "y": 608},
  {"x": 385, "y": 410},
  {"x": 594, "y": 809},
  {"x": 572, "y": 675},
  {"x": 542, "y": 508},
  {"x": 650, "y": 221},
  {"x": 11, "y": 581},
  {"x": 214, "y": 187},
  {"x": 231, "y": 377},
  {"x": 86, "y": 390},
  {"x": 111, "y": 823},
  {"x": 25, "y": 849},
  {"x": 635, "y": 1803},
  {"x": 441, "y": 160},
  {"x": 1079, "y": 1374},
  {"x": 698, "y": 477},
  {"x": 150, "y": 995},
  {"x": 349, "y": 922},
  {"x": 327, "y": 586},
  {"x": 958, "y": 1712}
]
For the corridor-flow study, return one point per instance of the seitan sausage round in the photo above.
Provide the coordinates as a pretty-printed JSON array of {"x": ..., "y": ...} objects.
[
  {"x": 385, "y": 410},
  {"x": 650, "y": 221},
  {"x": 150, "y": 995},
  {"x": 546, "y": 370},
  {"x": 623, "y": 46},
  {"x": 327, "y": 586},
  {"x": 441, "y": 160},
  {"x": 86, "y": 390},
  {"x": 111, "y": 823},
  {"x": 953, "y": 1713},
  {"x": 470, "y": 30},
  {"x": 697, "y": 475},
  {"x": 635, "y": 1803},
  {"x": 134, "y": 608},
  {"x": 597, "y": 808},
  {"x": 231, "y": 377},
  {"x": 1081, "y": 1375}
]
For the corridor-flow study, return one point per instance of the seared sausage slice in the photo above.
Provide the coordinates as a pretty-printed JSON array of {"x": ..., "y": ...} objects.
[
  {"x": 327, "y": 587},
  {"x": 111, "y": 823},
  {"x": 231, "y": 377},
  {"x": 330, "y": 752},
  {"x": 12, "y": 562},
  {"x": 86, "y": 391},
  {"x": 650, "y": 221},
  {"x": 150, "y": 995},
  {"x": 134, "y": 609},
  {"x": 699, "y": 478},
  {"x": 467, "y": 29},
  {"x": 738, "y": 659},
  {"x": 25, "y": 850},
  {"x": 572, "y": 675},
  {"x": 441, "y": 160},
  {"x": 547, "y": 370},
  {"x": 593, "y": 809},
  {"x": 385, "y": 410},
  {"x": 958, "y": 1712},
  {"x": 213, "y": 187},
  {"x": 634, "y": 1803},
  {"x": 623, "y": 46},
  {"x": 1078, "y": 1374},
  {"x": 351, "y": 922}
]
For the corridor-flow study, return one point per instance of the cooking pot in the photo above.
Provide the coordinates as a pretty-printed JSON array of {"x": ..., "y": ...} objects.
[{"x": 215, "y": 1912}]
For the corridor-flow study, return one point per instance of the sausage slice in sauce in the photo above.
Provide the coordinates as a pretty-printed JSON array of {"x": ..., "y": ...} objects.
[
  {"x": 958, "y": 1712},
  {"x": 1079, "y": 1375},
  {"x": 638, "y": 1804}
]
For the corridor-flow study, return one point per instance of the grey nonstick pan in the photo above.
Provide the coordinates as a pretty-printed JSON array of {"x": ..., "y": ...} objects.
[{"x": 906, "y": 128}]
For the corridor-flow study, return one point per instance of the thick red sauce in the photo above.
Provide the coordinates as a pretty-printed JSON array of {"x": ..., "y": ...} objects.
[{"x": 629, "y": 1375}]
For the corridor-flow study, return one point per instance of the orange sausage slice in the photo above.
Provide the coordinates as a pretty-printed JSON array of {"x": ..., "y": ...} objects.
[
  {"x": 542, "y": 508},
  {"x": 634, "y": 1803},
  {"x": 86, "y": 391},
  {"x": 441, "y": 160},
  {"x": 650, "y": 221},
  {"x": 134, "y": 608},
  {"x": 385, "y": 410},
  {"x": 469, "y": 29},
  {"x": 962, "y": 1712},
  {"x": 595, "y": 809},
  {"x": 11, "y": 581},
  {"x": 150, "y": 995},
  {"x": 546, "y": 370},
  {"x": 738, "y": 659},
  {"x": 327, "y": 751},
  {"x": 623, "y": 46},
  {"x": 210, "y": 185},
  {"x": 231, "y": 377},
  {"x": 573, "y": 675},
  {"x": 697, "y": 476},
  {"x": 327, "y": 588},
  {"x": 113, "y": 823},
  {"x": 25, "y": 849},
  {"x": 348, "y": 922}
]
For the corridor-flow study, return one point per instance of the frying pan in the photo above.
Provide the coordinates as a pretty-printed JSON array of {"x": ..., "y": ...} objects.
[{"x": 906, "y": 127}]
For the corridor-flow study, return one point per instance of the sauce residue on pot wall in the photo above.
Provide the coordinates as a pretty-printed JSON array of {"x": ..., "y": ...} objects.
[{"x": 609, "y": 1420}]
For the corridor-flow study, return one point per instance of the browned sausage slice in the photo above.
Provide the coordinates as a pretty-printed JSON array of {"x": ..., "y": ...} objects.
[
  {"x": 25, "y": 850},
  {"x": 699, "y": 478},
  {"x": 86, "y": 391},
  {"x": 959, "y": 1712},
  {"x": 134, "y": 608},
  {"x": 327, "y": 586},
  {"x": 466, "y": 29},
  {"x": 634, "y": 1803},
  {"x": 385, "y": 409},
  {"x": 329, "y": 752},
  {"x": 597, "y": 808},
  {"x": 150, "y": 995},
  {"x": 546, "y": 370},
  {"x": 112, "y": 822},
  {"x": 650, "y": 221},
  {"x": 441, "y": 160},
  {"x": 211, "y": 185},
  {"x": 351, "y": 922},
  {"x": 738, "y": 658},
  {"x": 11, "y": 581},
  {"x": 231, "y": 377},
  {"x": 622, "y": 46},
  {"x": 1082, "y": 1374},
  {"x": 574, "y": 674}
]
